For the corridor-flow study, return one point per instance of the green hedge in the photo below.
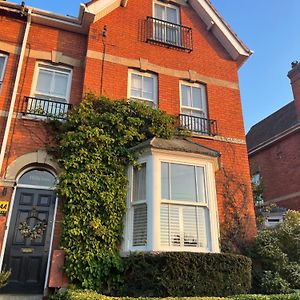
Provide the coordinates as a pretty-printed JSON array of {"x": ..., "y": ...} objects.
[
  {"x": 90, "y": 295},
  {"x": 183, "y": 274}
]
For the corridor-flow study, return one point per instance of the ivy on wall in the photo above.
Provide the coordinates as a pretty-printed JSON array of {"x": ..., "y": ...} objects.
[{"x": 93, "y": 149}]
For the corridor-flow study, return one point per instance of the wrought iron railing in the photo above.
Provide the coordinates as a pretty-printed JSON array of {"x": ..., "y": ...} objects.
[
  {"x": 199, "y": 125},
  {"x": 169, "y": 34},
  {"x": 45, "y": 108}
]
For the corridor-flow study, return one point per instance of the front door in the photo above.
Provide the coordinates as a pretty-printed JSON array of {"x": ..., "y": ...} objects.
[{"x": 28, "y": 241}]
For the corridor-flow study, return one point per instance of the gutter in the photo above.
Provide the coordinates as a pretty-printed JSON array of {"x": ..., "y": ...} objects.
[{"x": 15, "y": 90}]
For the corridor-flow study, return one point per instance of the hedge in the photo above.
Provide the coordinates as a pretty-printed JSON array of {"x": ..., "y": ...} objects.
[
  {"x": 90, "y": 295},
  {"x": 183, "y": 274}
]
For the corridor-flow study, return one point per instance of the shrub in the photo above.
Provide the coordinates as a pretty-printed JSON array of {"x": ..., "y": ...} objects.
[
  {"x": 272, "y": 283},
  {"x": 186, "y": 274},
  {"x": 277, "y": 253}
]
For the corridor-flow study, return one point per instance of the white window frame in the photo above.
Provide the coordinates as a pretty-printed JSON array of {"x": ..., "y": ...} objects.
[
  {"x": 202, "y": 88},
  {"x": 162, "y": 36},
  {"x": 2, "y": 73},
  {"x": 155, "y": 2},
  {"x": 154, "y": 201},
  {"x": 60, "y": 68},
  {"x": 154, "y": 101}
]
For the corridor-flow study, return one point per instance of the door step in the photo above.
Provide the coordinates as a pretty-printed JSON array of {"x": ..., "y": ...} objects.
[{"x": 21, "y": 297}]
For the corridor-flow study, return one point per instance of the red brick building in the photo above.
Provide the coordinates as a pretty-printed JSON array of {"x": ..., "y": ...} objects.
[
  {"x": 274, "y": 150},
  {"x": 178, "y": 56}
]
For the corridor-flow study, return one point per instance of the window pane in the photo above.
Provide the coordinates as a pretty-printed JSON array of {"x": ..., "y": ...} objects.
[
  {"x": 38, "y": 178},
  {"x": 165, "y": 181},
  {"x": 185, "y": 95},
  {"x": 201, "y": 184},
  {"x": 148, "y": 88},
  {"x": 197, "y": 103},
  {"x": 139, "y": 225},
  {"x": 172, "y": 15},
  {"x": 183, "y": 184},
  {"x": 139, "y": 183},
  {"x": 60, "y": 85},
  {"x": 44, "y": 81},
  {"x": 159, "y": 11},
  {"x": 136, "y": 86},
  {"x": 2, "y": 60}
]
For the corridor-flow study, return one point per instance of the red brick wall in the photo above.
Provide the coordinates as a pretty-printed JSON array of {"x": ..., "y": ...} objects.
[
  {"x": 208, "y": 58},
  {"x": 279, "y": 166}
]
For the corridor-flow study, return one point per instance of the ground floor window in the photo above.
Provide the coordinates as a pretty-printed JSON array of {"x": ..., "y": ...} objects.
[{"x": 171, "y": 205}]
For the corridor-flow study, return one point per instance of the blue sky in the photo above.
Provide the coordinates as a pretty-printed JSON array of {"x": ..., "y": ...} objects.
[{"x": 270, "y": 28}]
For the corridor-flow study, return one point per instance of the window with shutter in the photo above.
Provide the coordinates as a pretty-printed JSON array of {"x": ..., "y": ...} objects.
[
  {"x": 171, "y": 204},
  {"x": 184, "y": 218},
  {"x": 139, "y": 206}
]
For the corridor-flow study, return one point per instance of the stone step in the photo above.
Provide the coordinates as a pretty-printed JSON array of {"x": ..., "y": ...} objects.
[{"x": 21, "y": 297}]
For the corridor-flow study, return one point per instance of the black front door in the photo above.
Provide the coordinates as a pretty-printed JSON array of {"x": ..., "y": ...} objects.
[{"x": 28, "y": 241}]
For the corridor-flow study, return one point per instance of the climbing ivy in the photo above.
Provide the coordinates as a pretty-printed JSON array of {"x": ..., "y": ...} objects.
[{"x": 93, "y": 149}]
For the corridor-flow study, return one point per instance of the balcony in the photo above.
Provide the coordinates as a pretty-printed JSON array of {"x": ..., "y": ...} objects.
[
  {"x": 37, "y": 107},
  {"x": 198, "y": 125},
  {"x": 168, "y": 34}
]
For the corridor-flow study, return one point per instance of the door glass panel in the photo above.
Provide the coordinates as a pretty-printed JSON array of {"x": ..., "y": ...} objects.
[
  {"x": 2, "y": 60},
  {"x": 159, "y": 11},
  {"x": 136, "y": 86},
  {"x": 148, "y": 88},
  {"x": 60, "y": 85},
  {"x": 38, "y": 178},
  {"x": 196, "y": 97},
  {"x": 185, "y": 95}
]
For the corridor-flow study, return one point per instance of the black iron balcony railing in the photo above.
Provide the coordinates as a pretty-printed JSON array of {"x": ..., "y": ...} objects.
[
  {"x": 169, "y": 34},
  {"x": 45, "y": 108},
  {"x": 199, "y": 125}
]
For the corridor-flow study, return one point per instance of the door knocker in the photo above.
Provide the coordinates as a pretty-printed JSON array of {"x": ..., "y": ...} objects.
[{"x": 34, "y": 232}]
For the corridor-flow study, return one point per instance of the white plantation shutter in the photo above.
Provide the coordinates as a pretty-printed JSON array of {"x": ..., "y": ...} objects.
[
  {"x": 170, "y": 225},
  {"x": 139, "y": 207},
  {"x": 139, "y": 225},
  {"x": 183, "y": 226}
]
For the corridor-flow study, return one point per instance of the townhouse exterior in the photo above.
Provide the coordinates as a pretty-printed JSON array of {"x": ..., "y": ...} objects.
[
  {"x": 274, "y": 152},
  {"x": 178, "y": 56}
]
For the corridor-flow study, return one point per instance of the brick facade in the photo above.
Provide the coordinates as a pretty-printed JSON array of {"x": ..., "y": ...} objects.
[{"x": 125, "y": 49}]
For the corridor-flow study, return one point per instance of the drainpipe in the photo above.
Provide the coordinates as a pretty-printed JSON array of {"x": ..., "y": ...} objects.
[{"x": 15, "y": 90}]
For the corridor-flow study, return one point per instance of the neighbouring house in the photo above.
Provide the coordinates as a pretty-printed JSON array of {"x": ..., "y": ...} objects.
[
  {"x": 179, "y": 56},
  {"x": 274, "y": 153}
]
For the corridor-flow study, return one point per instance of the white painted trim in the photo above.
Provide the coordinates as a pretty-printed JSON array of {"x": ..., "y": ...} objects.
[
  {"x": 51, "y": 244},
  {"x": 42, "y": 65},
  {"x": 154, "y": 101},
  {"x": 166, "y": 5},
  {"x": 202, "y": 88}
]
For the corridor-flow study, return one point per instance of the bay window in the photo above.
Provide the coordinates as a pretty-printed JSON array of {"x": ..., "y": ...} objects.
[{"x": 172, "y": 204}]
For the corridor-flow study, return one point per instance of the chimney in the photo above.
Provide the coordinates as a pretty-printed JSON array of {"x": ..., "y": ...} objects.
[{"x": 294, "y": 76}]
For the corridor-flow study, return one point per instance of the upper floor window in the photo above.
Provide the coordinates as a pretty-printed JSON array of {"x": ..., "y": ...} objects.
[
  {"x": 51, "y": 91},
  {"x": 3, "y": 61},
  {"x": 193, "y": 99},
  {"x": 143, "y": 86},
  {"x": 53, "y": 83},
  {"x": 167, "y": 30},
  {"x": 194, "y": 108},
  {"x": 166, "y": 12}
]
